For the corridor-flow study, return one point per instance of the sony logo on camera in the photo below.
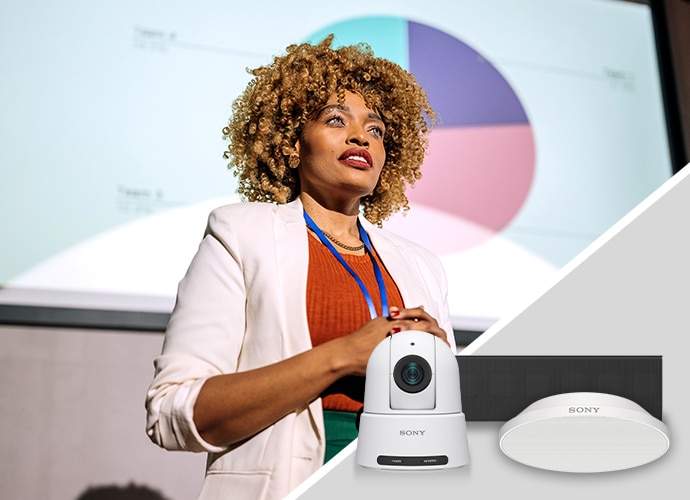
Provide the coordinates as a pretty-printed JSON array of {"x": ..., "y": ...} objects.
[
  {"x": 584, "y": 409},
  {"x": 405, "y": 432}
]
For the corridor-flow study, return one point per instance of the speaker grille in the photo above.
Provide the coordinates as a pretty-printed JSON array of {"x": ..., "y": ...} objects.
[{"x": 584, "y": 444}]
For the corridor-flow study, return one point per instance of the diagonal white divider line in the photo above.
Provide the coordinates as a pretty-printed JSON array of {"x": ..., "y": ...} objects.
[{"x": 325, "y": 469}]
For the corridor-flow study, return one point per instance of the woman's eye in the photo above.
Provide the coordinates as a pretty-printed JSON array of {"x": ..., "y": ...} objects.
[
  {"x": 376, "y": 132},
  {"x": 335, "y": 120}
]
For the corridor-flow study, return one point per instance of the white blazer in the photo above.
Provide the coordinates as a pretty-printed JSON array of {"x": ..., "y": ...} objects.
[{"x": 241, "y": 305}]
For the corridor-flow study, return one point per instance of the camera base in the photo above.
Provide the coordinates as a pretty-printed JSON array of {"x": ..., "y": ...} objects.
[{"x": 412, "y": 442}]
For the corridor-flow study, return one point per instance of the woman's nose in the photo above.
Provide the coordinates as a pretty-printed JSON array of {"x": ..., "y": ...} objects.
[{"x": 358, "y": 136}]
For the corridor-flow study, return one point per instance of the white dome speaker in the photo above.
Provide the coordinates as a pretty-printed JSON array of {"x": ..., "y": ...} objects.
[{"x": 584, "y": 432}]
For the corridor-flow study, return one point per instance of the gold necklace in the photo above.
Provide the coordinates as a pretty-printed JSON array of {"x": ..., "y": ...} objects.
[{"x": 343, "y": 245}]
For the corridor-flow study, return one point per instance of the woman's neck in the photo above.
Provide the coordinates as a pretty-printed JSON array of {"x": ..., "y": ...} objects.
[
  {"x": 336, "y": 220},
  {"x": 338, "y": 225}
]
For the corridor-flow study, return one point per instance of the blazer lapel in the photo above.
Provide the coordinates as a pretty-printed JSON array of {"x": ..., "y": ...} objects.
[{"x": 292, "y": 259}]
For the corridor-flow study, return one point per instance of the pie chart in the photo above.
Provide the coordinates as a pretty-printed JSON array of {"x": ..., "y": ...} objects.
[{"x": 481, "y": 158}]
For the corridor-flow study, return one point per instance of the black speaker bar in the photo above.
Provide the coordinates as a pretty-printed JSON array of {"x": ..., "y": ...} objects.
[{"x": 497, "y": 388}]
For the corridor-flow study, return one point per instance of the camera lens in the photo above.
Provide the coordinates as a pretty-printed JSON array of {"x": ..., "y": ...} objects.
[{"x": 412, "y": 373}]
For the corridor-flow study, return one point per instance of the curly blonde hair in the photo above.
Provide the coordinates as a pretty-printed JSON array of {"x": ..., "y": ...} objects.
[{"x": 269, "y": 116}]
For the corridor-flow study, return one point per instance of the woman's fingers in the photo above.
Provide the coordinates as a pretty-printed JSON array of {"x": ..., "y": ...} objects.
[
  {"x": 415, "y": 318},
  {"x": 362, "y": 342}
]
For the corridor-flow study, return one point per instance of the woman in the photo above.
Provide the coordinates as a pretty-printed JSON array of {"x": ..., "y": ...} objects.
[{"x": 287, "y": 297}]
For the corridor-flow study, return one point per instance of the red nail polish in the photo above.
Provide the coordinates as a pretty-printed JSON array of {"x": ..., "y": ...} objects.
[
  {"x": 395, "y": 313},
  {"x": 396, "y": 330}
]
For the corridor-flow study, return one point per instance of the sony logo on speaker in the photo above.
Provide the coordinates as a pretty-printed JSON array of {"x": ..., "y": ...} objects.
[
  {"x": 404, "y": 432},
  {"x": 584, "y": 409}
]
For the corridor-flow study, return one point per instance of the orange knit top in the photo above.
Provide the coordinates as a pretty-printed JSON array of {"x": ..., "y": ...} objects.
[{"x": 336, "y": 307}]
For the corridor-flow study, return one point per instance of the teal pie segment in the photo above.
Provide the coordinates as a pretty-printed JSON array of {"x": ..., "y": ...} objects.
[{"x": 387, "y": 36}]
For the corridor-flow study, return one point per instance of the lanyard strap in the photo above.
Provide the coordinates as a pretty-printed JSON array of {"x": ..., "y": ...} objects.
[{"x": 368, "y": 249}]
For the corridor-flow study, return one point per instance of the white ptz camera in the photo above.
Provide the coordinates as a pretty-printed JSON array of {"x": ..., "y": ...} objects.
[{"x": 412, "y": 418}]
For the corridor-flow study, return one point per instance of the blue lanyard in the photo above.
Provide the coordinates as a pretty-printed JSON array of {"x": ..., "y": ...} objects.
[{"x": 368, "y": 249}]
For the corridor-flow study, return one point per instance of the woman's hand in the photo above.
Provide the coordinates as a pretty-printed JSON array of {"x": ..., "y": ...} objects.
[
  {"x": 417, "y": 318},
  {"x": 355, "y": 348}
]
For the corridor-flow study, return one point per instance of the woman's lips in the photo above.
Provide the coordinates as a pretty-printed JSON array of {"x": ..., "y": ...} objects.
[{"x": 358, "y": 158}]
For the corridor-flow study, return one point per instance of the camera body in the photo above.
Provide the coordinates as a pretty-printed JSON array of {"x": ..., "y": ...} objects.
[{"x": 412, "y": 418}]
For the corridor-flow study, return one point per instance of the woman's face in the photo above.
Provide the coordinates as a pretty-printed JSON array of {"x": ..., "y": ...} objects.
[{"x": 341, "y": 151}]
